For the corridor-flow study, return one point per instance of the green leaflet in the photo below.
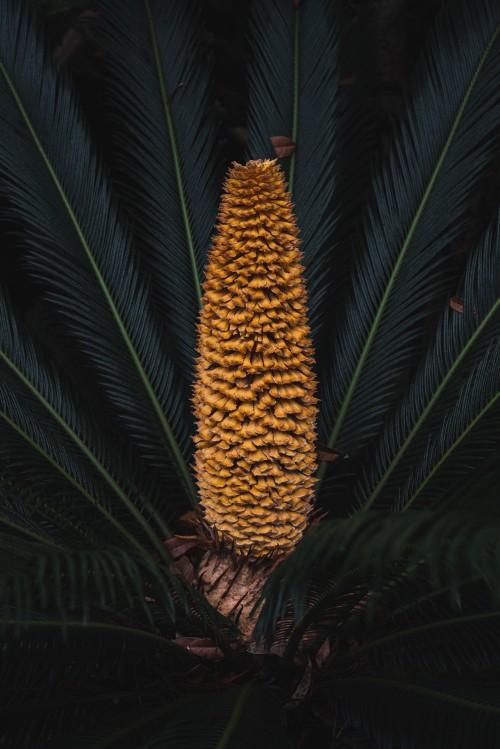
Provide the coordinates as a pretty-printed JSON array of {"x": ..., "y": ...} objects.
[
  {"x": 175, "y": 152},
  {"x": 101, "y": 281},
  {"x": 397, "y": 271}
]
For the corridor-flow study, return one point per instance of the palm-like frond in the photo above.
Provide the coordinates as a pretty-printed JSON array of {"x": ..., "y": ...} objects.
[
  {"x": 293, "y": 92},
  {"x": 62, "y": 195},
  {"x": 239, "y": 717},
  {"x": 166, "y": 146},
  {"x": 394, "y": 617},
  {"x": 15, "y": 511},
  {"x": 442, "y": 713},
  {"x": 422, "y": 188},
  {"x": 454, "y": 396},
  {"x": 50, "y": 431},
  {"x": 464, "y": 643},
  {"x": 367, "y": 548},
  {"x": 72, "y": 679},
  {"x": 59, "y": 579}
]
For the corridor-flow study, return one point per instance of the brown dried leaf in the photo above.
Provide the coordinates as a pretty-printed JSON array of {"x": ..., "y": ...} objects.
[
  {"x": 75, "y": 37},
  {"x": 190, "y": 518},
  {"x": 178, "y": 545},
  {"x": 329, "y": 454},
  {"x": 183, "y": 568},
  {"x": 347, "y": 78},
  {"x": 323, "y": 655},
  {"x": 226, "y": 680},
  {"x": 258, "y": 648},
  {"x": 203, "y": 647},
  {"x": 283, "y": 146},
  {"x": 457, "y": 303},
  {"x": 304, "y": 685}
]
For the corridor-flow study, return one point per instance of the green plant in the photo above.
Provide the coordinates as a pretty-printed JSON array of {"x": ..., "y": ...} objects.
[{"x": 381, "y": 628}]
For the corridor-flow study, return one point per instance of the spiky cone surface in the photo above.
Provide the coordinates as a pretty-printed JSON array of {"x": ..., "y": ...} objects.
[{"x": 254, "y": 390}]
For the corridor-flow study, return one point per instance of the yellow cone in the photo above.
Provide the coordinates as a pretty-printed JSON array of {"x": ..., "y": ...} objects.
[{"x": 254, "y": 390}]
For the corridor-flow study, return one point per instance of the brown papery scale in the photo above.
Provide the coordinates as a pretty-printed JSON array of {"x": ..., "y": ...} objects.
[{"x": 254, "y": 390}]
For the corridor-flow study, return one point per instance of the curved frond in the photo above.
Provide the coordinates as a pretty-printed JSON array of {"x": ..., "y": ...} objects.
[
  {"x": 46, "y": 427},
  {"x": 451, "y": 405},
  {"x": 460, "y": 644},
  {"x": 15, "y": 512},
  {"x": 469, "y": 431},
  {"x": 239, "y": 717},
  {"x": 293, "y": 92},
  {"x": 79, "y": 249},
  {"x": 166, "y": 164},
  {"x": 36, "y": 574},
  {"x": 108, "y": 647},
  {"x": 401, "y": 711},
  {"x": 368, "y": 547},
  {"x": 57, "y": 681},
  {"x": 424, "y": 185}
]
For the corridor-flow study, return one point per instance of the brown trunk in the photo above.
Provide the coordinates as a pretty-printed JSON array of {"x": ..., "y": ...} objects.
[{"x": 233, "y": 586}]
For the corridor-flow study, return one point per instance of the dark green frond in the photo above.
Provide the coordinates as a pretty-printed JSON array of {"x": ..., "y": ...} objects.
[
  {"x": 381, "y": 628},
  {"x": 60, "y": 682},
  {"x": 479, "y": 488},
  {"x": 449, "y": 415},
  {"x": 166, "y": 163},
  {"x": 79, "y": 249},
  {"x": 368, "y": 547},
  {"x": 459, "y": 644},
  {"x": 407, "y": 713},
  {"x": 52, "y": 436},
  {"x": 238, "y": 718},
  {"x": 109, "y": 647},
  {"x": 293, "y": 92},
  {"x": 39, "y": 574},
  {"x": 15, "y": 512},
  {"x": 469, "y": 431},
  {"x": 424, "y": 186}
]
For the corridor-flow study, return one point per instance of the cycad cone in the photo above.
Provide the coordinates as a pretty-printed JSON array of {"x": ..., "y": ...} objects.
[{"x": 254, "y": 392}]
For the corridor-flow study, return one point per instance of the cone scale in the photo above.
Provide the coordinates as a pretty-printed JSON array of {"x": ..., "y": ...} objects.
[{"x": 254, "y": 390}]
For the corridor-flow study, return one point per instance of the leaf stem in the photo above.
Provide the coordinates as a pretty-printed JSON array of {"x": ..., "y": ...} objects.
[
  {"x": 402, "y": 634},
  {"x": 184, "y": 470},
  {"x": 407, "y": 686},
  {"x": 365, "y": 352},
  {"x": 81, "y": 490},
  {"x": 175, "y": 152},
  {"x": 448, "y": 452},
  {"x": 428, "y": 408},
  {"x": 296, "y": 90},
  {"x": 29, "y": 533},
  {"x": 103, "y": 627},
  {"x": 234, "y": 719}
]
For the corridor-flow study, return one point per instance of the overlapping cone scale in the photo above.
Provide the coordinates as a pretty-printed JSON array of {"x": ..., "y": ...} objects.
[{"x": 254, "y": 391}]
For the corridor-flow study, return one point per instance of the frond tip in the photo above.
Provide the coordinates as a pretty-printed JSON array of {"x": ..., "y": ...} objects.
[{"x": 254, "y": 391}]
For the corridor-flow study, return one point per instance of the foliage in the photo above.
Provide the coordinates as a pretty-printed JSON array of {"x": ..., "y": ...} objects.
[{"x": 382, "y": 628}]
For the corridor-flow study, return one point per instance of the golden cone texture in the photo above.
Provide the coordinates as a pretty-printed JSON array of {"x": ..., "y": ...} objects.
[{"x": 254, "y": 391}]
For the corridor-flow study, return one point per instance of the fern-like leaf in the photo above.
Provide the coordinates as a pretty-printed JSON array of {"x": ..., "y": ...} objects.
[
  {"x": 453, "y": 398},
  {"x": 370, "y": 546},
  {"x": 36, "y": 573},
  {"x": 165, "y": 142},
  {"x": 403, "y": 712},
  {"x": 78, "y": 246},
  {"x": 293, "y": 91},
  {"x": 421, "y": 190},
  {"x": 47, "y": 428}
]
